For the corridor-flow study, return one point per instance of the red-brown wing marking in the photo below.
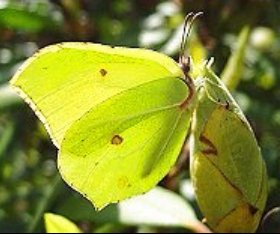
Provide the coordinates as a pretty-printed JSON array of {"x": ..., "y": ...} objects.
[
  {"x": 103, "y": 72},
  {"x": 116, "y": 140},
  {"x": 211, "y": 149}
]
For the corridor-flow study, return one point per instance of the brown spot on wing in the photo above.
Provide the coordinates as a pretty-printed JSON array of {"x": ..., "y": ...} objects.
[
  {"x": 123, "y": 182},
  {"x": 103, "y": 72},
  {"x": 211, "y": 148},
  {"x": 253, "y": 210},
  {"x": 116, "y": 140},
  {"x": 227, "y": 106},
  {"x": 210, "y": 151}
]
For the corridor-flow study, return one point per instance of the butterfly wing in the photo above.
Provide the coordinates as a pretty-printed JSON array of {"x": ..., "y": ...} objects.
[
  {"x": 126, "y": 144},
  {"x": 64, "y": 81},
  {"x": 227, "y": 169}
]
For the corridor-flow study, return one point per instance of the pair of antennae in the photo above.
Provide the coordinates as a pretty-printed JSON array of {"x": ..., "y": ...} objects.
[
  {"x": 184, "y": 62},
  {"x": 188, "y": 23}
]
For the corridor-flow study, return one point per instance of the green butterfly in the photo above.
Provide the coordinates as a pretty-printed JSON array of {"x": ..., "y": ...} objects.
[
  {"x": 120, "y": 117},
  {"x": 227, "y": 168}
]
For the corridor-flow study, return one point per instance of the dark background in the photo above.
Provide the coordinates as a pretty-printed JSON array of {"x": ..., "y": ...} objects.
[{"x": 29, "y": 184}]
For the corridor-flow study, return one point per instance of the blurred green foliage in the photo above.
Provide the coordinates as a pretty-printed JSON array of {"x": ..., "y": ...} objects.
[{"x": 29, "y": 183}]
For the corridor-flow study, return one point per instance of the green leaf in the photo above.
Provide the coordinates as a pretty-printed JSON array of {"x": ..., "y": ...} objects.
[
  {"x": 233, "y": 70},
  {"x": 25, "y": 20},
  {"x": 59, "y": 224}
]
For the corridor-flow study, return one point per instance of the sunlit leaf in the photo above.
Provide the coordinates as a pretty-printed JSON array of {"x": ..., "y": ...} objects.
[
  {"x": 232, "y": 72},
  {"x": 21, "y": 19},
  {"x": 59, "y": 224},
  {"x": 159, "y": 207}
]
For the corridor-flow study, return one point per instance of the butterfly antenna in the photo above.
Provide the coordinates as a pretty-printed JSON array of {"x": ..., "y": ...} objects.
[
  {"x": 188, "y": 23},
  {"x": 184, "y": 61}
]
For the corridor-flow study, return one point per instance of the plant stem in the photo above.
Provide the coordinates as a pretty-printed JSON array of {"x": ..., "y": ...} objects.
[
  {"x": 45, "y": 202},
  {"x": 233, "y": 70}
]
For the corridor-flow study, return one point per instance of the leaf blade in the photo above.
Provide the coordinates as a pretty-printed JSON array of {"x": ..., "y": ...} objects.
[
  {"x": 159, "y": 207},
  {"x": 59, "y": 224}
]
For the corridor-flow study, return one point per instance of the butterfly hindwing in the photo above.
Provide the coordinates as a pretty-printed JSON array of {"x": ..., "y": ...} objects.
[
  {"x": 227, "y": 169},
  {"x": 118, "y": 149}
]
